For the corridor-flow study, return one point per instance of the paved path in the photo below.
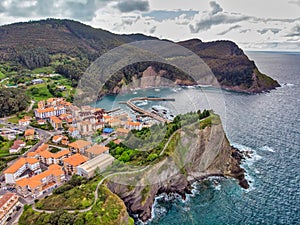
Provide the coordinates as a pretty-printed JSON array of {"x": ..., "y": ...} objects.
[
  {"x": 4, "y": 80},
  {"x": 170, "y": 138},
  {"x": 30, "y": 107},
  {"x": 95, "y": 193},
  {"x": 108, "y": 176}
]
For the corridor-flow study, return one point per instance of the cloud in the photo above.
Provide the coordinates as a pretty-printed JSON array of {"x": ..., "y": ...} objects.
[
  {"x": 296, "y": 2},
  {"x": 211, "y": 20},
  {"x": 161, "y": 15},
  {"x": 216, "y": 8},
  {"x": 133, "y": 5},
  {"x": 245, "y": 31},
  {"x": 265, "y": 30},
  {"x": 152, "y": 30},
  {"x": 230, "y": 29},
  {"x": 215, "y": 16},
  {"x": 295, "y": 31},
  {"x": 75, "y": 9}
]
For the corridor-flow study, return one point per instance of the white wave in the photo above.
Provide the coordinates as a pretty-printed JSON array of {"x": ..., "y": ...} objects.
[
  {"x": 251, "y": 182},
  {"x": 288, "y": 84},
  {"x": 218, "y": 187},
  {"x": 267, "y": 148},
  {"x": 190, "y": 87},
  {"x": 250, "y": 152},
  {"x": 135, "y": 93},
  {"x": 204, "y": 85},
  {"x": 157, "y": 89},
  {"x": 142, "y": 103}
]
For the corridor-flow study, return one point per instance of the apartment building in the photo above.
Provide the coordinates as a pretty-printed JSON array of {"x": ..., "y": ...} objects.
[
  {"x": 79, "y": 146},
  {"x": 8, "y": 206},
  {"x": 42, "y": 183},
  {"x": 96, "y": 150},
  {"x": 71, "y": 163},
  {"x": 23, "y": 167}
]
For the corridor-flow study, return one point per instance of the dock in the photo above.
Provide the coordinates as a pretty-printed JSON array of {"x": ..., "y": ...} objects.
[{"x": 130, "y": 104}]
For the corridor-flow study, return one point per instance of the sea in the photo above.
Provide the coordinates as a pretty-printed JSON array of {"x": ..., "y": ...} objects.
[{"x": 267, "y": 125}]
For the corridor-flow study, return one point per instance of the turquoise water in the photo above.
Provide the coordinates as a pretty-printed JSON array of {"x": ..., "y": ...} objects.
[{"x": 266, "y": 123}]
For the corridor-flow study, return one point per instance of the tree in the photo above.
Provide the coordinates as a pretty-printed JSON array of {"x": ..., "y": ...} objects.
[{"x": 152, "y": 157}]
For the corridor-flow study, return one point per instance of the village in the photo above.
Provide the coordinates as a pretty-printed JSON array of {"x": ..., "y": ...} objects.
[{"x": 65, "y": 140}]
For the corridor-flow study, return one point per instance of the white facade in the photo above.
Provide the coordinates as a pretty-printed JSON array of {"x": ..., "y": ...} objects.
[
  {"x": 46, "y": 113},
  {"x": 100, "y": 162},
  {"x": 10, "y": 178}
]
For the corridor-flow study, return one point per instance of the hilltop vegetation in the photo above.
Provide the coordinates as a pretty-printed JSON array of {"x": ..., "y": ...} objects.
[
  {"x": 149, "y": 143},
  {"x": 69, "y": 47},
  {"x": 109, "y": 208},
  {"x": 12, "y": 101}
]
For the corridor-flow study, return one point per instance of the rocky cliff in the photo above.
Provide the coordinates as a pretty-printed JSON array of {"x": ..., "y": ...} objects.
[{"x": 195, "y": 152}]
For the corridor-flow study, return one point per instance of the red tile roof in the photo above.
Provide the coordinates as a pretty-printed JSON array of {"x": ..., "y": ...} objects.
[{"x": 75, "y": 160}]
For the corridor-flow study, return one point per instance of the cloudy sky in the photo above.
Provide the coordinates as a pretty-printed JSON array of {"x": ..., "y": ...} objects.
[{"x": 253, "y": 24}]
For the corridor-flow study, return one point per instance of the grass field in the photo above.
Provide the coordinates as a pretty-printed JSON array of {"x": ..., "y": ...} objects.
[
  {"x": 78, "y": 197},
  {"x": 45, "y": 70},
  {"x": 109, "y": 210},
  {"x": 13, "y": 119}
]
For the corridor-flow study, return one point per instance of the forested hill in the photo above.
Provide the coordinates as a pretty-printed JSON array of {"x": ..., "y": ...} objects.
[{"x": 69, "y": 47}]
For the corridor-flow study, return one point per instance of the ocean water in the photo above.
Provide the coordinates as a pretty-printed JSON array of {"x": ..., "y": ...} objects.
[{"x": 267, "y": 124}]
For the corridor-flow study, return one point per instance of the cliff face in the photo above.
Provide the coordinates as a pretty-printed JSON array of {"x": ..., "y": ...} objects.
[
  {"x": 193, "y": 153},
  {"x": 231, "y": 66}
]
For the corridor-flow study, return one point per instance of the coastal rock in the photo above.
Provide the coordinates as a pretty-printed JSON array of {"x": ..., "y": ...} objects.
[{"x": 198, "y": 153}]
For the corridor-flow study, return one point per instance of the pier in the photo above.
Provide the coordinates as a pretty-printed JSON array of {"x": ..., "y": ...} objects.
[{"x": 130, "y": 104}]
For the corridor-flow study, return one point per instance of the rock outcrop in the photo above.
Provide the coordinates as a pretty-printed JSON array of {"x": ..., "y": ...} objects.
[{"x": 192, "y": 155}]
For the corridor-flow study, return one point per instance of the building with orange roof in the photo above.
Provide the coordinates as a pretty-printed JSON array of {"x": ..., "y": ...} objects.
[
  {"x": 41, "y": 122},
  {"x": 55, "y": 101},
  {"x": 18, "y": 169},
  {"x": 17, "y": 146},
  {"x": 27, "y": 118},
  {"x": 72, "y": 162},
  {"x": 65, "y": 116},
  {"x": 74, "y": 132},
  {"x": 65, "y": 142},
  {"x": 42, "y": 183},
  {"x": 79, "y": 146},
  {"x": 41, "y": 104},
  {"x": 8, "y": 204},
  {"x": 31, "y": 154},
  {"x": 42, "y": 147},
  {"x": 55, "y": 122},
  {"x": 24, "y": 122},
  {"x": 49, "y": 158},
  {"x": 86, "y": 127},
  {"x": 131, "y": 125},
  {"x": 57, "y": 138},
  {"x": 115, "y": 122},
  {"x": 122, "y": 132},
  {"x": 70, "y": 120},
  {"x": 44, "y": 113},
  {"x": 96, "y": 150},
  {"x": 117, "y": 141},
  {"x": 29, "y": 134}
]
